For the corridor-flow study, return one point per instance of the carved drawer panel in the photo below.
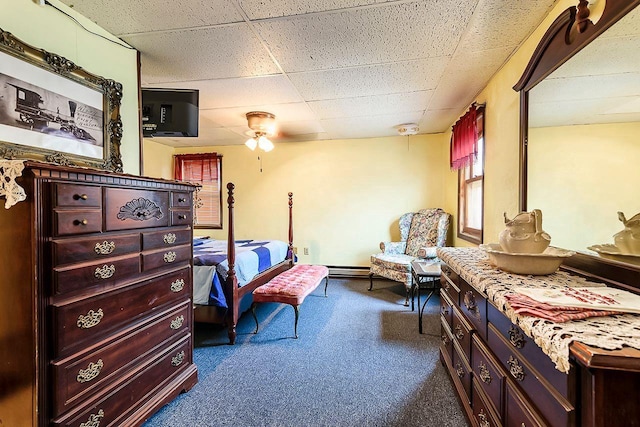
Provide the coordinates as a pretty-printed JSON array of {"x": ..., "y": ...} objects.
[
  {"x": 518, "y": 412},
  {"x": 446, "y": 310},
  {"x": 474, "y": 306},
  {"x": 165, "y": 239},
  {"x": 446, "y": 343},
  {"x": 101, "y": 273},
  {"x": 91, "y": 248},
  {"x": 179, "y": 199},
  {"x": 488, "y": 375},
  {"x": 483, "y": 412},
  {"x": 114, "y": 408},
  {"x": 128, "y": 209},
  {"x": 166, "y": 257},
  {"x": 181, "y": 217},
  {"x": 70, "y": 222},
  {"x": 532, "y": 352},
  {"x": 547, "y": 400},
  {"x": 462, "y": 333},
  {"x": 85, "y": 321},
  {"x": 78, "y": 195},
  {"x": 461, "y": 371},
  {"x": 449, "y": 284},
  {"x": 87, "y": 373}
]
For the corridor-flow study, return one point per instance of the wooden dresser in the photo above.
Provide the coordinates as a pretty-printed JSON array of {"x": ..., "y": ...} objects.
[
  {"x": 503, "y": 378},
  {"x": 96, "y": 311}
]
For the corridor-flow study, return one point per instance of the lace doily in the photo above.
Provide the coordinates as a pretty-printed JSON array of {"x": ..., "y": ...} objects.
[
  {"x": 609, "y": 332},
  {"x": 9, "y": 171}
]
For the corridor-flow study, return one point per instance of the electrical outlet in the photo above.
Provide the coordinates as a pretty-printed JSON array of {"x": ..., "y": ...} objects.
[{"x": 306, "y": 251}]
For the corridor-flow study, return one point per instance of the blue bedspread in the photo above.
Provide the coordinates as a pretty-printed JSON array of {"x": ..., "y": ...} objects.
[{"x": 210, "y": 265}]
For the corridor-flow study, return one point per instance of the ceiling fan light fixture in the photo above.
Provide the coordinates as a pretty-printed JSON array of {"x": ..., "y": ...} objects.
[
  {"x": 408, "y": 129},
  {"x": 261, "y": 121},
  {"x": 265, "y": 144}
]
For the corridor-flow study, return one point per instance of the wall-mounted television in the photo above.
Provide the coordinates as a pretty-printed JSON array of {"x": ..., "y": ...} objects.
[{"x": 169, "y": 112}]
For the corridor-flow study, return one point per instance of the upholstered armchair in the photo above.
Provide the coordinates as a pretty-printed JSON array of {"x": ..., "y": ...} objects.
[{"x": 421, "y": 233}]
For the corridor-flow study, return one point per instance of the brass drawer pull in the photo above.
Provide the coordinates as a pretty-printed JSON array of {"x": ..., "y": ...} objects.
[
  {"x": 181, "y": 200},
  {"x": 515, "y": 369},
  {"x": 445, "y": 310},
  {"x": 459, "y": 332},
  {"x": 515, "y": 337},
  {"x": 81, "y": 222},
  {"x": 470, "y": 303},
  {"x": 182, "y": 217},
  {"x": 170, "y": 256},
  {"x": 92, "y": 371},
  {"x": 485, "y": 375},
  {"x": 105, "y": 272},
  {"x": 169, "y": 238},
  {"x": 104, "y": 248},
  {"x": 177, "y": 359},
  {"x": 177, "y": 286},
  {"x": 177, "y": 322},
  {"x": 484, "y": 422},
  {"x": 459, "y": 370},
  {"x": 94, "y": 419},
  {"x": 445, "y": 339},
  {"x": 90, "y": 320},
  {"x": 80, "y": 196}
]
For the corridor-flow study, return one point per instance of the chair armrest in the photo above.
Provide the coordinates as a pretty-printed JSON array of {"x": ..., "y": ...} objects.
[
  {"x": 393, "y": 247},
  {"x": 428, "y": 252}
]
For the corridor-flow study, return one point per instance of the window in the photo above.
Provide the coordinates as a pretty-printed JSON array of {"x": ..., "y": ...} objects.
[
  {"x": 467, "y": 156},
  {"x": 205, "y": 170}
]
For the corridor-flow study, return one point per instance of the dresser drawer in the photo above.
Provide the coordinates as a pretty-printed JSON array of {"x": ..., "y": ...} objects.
[
  {"x": 166, "y": 257},
  {"x": 518, "y": 412},
  {"x": 448, "y": 285},
  {"x": 462, "y": 371},
  {"x": 128, "y": 209},
  {"x": 548, "y": 401},
  {"x": 473, "y": 305},
  {"x": 529, "y": 350},
  {"x": 89, "y": 373},
  {"x": 70, "y": 222},
  {"x": 488, "y": 375},
  {"x": 446, "y": 342},
  {"x": 105, "y": 273},
  {"x": 446, "y": 310},
  {"x": 115, "y": 407},
  {"x": 80, "y": 323},
  {"x": 165, "y": 239},
  {"x": 179, "y": 199},
  {"x": 92, "y": 248},
  {"x": 78, "y": 195},
  {"x": 462, "y": 333},
  {"x": 483, "y": 412},
  {"x": 182, "y": 217}
]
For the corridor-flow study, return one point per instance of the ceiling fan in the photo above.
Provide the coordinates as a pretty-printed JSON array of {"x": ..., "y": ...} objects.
[{"x": 263, "y": 126}]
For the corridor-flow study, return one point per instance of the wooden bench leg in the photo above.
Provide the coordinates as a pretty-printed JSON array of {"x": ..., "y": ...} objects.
[
  {"x": 295, "y": 326},
  {"x": 253, "y": 311},
  {"x": 325, "y": 286},
  {"x": 370, "y": 281}
]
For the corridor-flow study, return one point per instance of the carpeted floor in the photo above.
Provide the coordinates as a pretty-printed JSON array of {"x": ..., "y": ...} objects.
[{"x": 359, "y": 361}]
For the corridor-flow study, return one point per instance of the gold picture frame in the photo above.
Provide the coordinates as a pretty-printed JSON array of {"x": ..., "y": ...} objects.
[{"x": 55, "y": 111}]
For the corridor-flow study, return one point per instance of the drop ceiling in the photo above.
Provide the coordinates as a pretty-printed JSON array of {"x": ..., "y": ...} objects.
[{"x": 328, "y": 69}]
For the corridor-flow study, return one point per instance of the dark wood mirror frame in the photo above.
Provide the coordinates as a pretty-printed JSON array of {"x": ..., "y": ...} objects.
[{"x": 570, "y": 33}]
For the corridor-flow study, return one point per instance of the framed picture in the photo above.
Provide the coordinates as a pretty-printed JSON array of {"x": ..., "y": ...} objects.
[{"x": 55, "y": 111}]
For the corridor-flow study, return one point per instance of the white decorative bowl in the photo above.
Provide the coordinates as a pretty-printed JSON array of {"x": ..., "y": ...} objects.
[
  {"x": 546, "y": 262},
  {"x": 610, "y": 251}
]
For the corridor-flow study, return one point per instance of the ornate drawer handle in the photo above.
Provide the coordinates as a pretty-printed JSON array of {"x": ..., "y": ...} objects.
[
  {"x": 445, "y": 339},
  {"x": 459, "y": 370},
  {"x": 445, "y": 310},
  {"x": 170, "y": 256},
  {"x": 515, "y": 337},
  {"x": 90, "y": 320},
  {"x": 181, "y": 200},
  {"x": 447, "y": 286},
  {"x": 92, "y": 371},
  {"x": 177, "y": 286},
  {"x": 177, "y": 322},
  {"x": 182, "y": 217},
  {"x": 484, "y": 422},
  {"x": 94, "y": 419},
  {"x": 169, "y": 238},
  {"x": 81, "y": 196},
  {"x": 81, "y": 222},
  {"x": 459, "y": 332},
  {"x": 485, "y": 375},
  {"x": 177, "y": 359},
  {"x": 105, "y": 272},
  {"x": 105, "y": 248},
  {"x": 516, "y": 369},
  {"x": 470, "y": 301}
]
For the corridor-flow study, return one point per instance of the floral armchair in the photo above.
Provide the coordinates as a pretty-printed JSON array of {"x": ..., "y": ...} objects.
[{"x": 421, "y": 233}]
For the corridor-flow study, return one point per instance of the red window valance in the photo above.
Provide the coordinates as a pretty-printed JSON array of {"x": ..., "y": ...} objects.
[
  {"x": 196, "y": 167},
  {"x": 464, "y": 139}
]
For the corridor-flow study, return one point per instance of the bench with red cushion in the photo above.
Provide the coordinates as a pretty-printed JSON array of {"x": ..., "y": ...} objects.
[{"x": 291, "y": 287}]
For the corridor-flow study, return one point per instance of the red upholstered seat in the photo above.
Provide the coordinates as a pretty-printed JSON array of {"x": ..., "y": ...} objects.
[{"x": 291, "y": 286}]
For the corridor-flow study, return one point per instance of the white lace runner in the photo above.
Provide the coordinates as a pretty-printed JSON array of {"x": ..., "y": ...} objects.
[
  {"x": 608, "y": 332},
  {"x": 9, "y": 171}
]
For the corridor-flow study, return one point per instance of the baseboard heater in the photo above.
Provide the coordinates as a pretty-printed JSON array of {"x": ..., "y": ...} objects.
[{"x": 346, "y": 271}]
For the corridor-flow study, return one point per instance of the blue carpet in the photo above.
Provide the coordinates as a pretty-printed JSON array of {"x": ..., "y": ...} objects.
[{"x": 359, "y": 361}]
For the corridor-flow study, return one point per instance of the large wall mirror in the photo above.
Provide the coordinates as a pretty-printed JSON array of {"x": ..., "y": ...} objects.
[{"x": 580, "y": 128}]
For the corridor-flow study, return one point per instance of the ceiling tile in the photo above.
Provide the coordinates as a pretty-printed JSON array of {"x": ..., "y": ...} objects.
[
  {"x": 275, "y": 89},
  {"x": 369, "y": 126},
  {"x": 394, "y": 32},
  {"x": 438, "y": 121},
  {"x": 202, "y": 54},
  {"x": 237, "y": 116},
  {"x": 371, "y": 105},
  {"x": 410, "y": 76},
  {"x": 260, "y": 9},
  {"x": 141, "y": 16}
]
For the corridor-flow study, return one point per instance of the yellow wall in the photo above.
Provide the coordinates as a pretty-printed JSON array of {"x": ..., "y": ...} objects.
[
  {"x": 158, "y": 159},
  {"x": 46, "y": 28}
]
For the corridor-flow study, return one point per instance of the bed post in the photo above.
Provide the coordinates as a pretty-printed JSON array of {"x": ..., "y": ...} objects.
[
  {"x": 232, "y": 280},
  {"x": 291, "y": 228}
]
